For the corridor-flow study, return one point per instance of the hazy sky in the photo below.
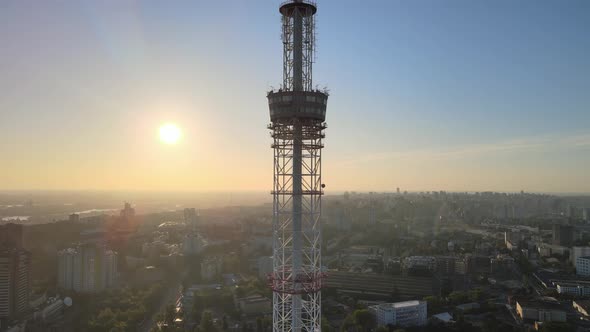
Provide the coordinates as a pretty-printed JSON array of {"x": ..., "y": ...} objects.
[{"x": 425, "y": 95}]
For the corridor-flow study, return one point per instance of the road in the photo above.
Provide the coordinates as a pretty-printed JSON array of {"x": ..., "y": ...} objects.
[{"x": 169, "y": 297}]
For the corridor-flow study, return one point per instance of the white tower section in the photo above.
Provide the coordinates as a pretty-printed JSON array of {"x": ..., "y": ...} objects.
[{"x": 297, "y": 115}]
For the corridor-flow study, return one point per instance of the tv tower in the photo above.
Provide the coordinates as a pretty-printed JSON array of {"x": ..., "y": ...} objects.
[{"x": 297, "y": 114}]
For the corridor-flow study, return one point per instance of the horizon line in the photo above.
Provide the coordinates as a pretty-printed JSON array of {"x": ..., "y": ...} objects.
[{"x": 256, "y": 191}]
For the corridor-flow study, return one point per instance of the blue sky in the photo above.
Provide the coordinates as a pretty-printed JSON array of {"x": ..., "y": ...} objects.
[{"x": 425, "y": 95}]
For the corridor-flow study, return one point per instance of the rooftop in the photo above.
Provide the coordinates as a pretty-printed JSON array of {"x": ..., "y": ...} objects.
[
  {"x": 539, "y": 304},
  {"x": 445, "y": 317},
  {"x": 254, "y": 299},
  {"x": 583, "y": 303},
  {"x": 404, "y": 304}
]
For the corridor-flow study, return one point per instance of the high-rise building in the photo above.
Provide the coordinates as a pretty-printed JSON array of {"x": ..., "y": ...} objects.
[
  {"x": 128, "y": 212},
  {"x": 372, "y": 217},
  {"x": 191, "y": 218},
  {"x": 15, "y": 282},
  {"x": 74, "y": 217},
  {"x": 297, "y": 115},
  {"x": 110, "y": 272},
  {"x": 404, "y": 314},
  {"x": 342, "y": 218},
  {"x": 88, "y": 268},
  {"x": 570, "y": 211},
  {"x": 563, "y": 235},
  {"x": 15, "y": 273},
  {"x": 192, "y": 244},
  {"x": 66, "y": 270}
]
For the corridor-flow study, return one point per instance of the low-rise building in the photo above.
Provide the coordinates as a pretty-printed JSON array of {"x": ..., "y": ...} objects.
[
  {"x": 579, "y": 252},
  {"x": 511, "y": 238},
  {"x": 502, "y": 265},
  {"x": 53, "y": 310},
  {"x": 254, "y": 305},
  {"x": 405, "y": 314},
  {"x": 380, "y": 286},
  {"x": 546, "y": 250},
  {"x": 443, "y": 317},
  {"x": 445, "y": 265},
  {"x": 540, "y": 311},
  {"x": 468, "y": 306},
  {"x": 460, "y": 266},
  {"x": 211, "y": 268},
  {"x": 511, "y": 245},
  {"x": 583, "y": 266},
  {"x": 478, "y": 264},
  {"x": 419, "y": 264},
  {"x": 572, "y": 288},
  {"x": 582, "y": 306},
  {"x": 393, "y": 265}
]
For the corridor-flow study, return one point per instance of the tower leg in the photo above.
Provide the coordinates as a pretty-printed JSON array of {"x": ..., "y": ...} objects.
[{"x": 297, "y": 224}]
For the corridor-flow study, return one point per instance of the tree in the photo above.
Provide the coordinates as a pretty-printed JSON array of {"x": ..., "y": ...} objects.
[
  {"x": 170, "y": 314},
  {"x": 364, "y": 318},
  {"x": 267, "y": 324},
  {"x": 105, "y": 321},
  {"x": 490, "y": 323},
  {"x": 458, "y": 297},
  {"x": 361, "y": 320},
  {"x": 224, "y": 325},
  {"x": 259, "y": 327},
  {"x": 435, "y": 304},
  {"x": 119, "y": 327},
  {"x": 475, "y": 294},
  {"x": 326, "y": 326},
  {"x": 206, "y": 324},
  {"x": 556, "y": 327}
]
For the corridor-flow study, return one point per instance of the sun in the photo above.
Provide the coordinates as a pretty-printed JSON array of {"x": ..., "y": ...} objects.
[{"x": 170, "y": 133}]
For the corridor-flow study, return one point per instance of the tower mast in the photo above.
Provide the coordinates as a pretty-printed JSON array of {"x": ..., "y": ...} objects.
[{"x": 297, "y": 115}]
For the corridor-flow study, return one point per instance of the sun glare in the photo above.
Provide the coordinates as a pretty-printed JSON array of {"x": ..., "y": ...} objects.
[{"x": 169, "y": 133}]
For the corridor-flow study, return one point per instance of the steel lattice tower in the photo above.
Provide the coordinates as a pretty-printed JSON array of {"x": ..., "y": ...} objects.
[{"x": 297, "y": 115}]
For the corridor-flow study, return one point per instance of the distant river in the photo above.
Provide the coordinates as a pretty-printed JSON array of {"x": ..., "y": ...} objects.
[
  {"x": 95, "y": 211},
  {"x": 16, "y": 218}
]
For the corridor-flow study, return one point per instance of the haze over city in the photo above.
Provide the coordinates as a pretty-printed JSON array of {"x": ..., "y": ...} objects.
[
  {"x": 425, "y": 95},
  {"x": 341, "y": 166}
]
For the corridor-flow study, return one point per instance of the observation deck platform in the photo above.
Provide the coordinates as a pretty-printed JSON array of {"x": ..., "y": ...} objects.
[{"x": 297, "y": 104}]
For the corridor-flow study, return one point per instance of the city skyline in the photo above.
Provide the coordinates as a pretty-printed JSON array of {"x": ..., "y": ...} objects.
[{"x": 427, "y": 95}]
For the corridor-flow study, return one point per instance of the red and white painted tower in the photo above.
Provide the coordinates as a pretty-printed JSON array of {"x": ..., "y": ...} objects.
[{"x": 297, "y": 114}]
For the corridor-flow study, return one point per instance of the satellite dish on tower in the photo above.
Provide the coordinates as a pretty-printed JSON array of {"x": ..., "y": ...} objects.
[{"x": 68, "y": 301}]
